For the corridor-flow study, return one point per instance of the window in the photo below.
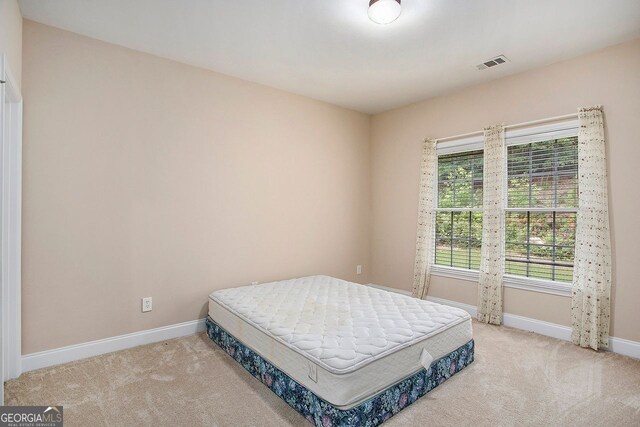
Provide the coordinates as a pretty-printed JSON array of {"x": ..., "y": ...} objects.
[
  {"x": 542, "y": 201},
  {"x": 459, "y": 210},
  {"x": 541, "y": 204}
]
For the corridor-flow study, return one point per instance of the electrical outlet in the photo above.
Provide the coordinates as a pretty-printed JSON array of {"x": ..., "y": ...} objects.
[
  {"x": 147, "y": 304},
  {"x": 358, "y": 269}
]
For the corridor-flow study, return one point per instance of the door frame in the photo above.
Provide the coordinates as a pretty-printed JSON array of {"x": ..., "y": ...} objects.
[{"x": 11, "y": 206}]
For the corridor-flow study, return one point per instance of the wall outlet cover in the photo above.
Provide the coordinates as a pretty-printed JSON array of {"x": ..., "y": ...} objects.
[{"x": 147, "y": 304}]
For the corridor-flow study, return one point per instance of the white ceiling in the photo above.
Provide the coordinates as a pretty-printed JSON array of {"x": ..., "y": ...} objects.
[{"x": 329, "y": 50}]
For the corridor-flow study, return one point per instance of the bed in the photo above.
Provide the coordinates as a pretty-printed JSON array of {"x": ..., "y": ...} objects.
[{"x": 338, "y": 352}]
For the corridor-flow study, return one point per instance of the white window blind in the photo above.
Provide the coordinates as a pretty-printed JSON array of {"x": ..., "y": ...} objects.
[
  {"x": 542, "y": 200},
  {"x": 459, "y": 210}
]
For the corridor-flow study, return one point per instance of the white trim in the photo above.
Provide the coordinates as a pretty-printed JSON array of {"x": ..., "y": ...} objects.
[
  {"x": 626, "y": 347},
  {"x": 71, "y": 353},
  {"x": 521, "y": 135},
  {"x": 11, "y": 85},
  {"x": 616, "y": 345},
  {"x": 455, "y": 273},
  {"x": 509, "y": 281},
  {"x": 530, "y": 124},
  {"x": 515, "y": 321},
  {"x": 537, "y": 285},
  {"x": 458, "y": 209},
  {"x": 538, "y": 130},
  {"x": 452, "y": 146},
  {"x": 11, "y": 205},
  {"x": 541, "y": 327},
  {"x": 543, "y": 210},
  {"x": 388, "y": 289},
  {"x": 539, "y": 133},
  {"x": 471, "y": 309}
]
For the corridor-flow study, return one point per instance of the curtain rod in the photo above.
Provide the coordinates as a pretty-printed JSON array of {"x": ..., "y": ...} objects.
[{"x": 517, "y": 125}]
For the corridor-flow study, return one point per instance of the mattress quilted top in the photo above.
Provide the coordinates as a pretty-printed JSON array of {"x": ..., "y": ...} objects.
[{"x": 339, "y": 325}]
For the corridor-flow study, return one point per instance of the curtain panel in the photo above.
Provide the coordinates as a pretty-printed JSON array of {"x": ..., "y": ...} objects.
[
  {"x": 492, "y": 251},
  {"x": 426, "y": 212},
  {"x": 591, "y": 289}
]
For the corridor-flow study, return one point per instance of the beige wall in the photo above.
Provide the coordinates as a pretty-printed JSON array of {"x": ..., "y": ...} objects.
[
  {"x": 11, "y": 36},
  {"x": 610, "y": 77},
  {"x": 147, "y": 177}
]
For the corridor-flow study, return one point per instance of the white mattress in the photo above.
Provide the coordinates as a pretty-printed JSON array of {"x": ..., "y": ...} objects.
[{"x": 343, "y": 341}]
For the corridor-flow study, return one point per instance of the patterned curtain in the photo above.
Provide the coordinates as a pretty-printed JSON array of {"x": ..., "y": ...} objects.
[
  {"x": 590, "y": 305},
  {"x": 426, "y": 204},
  {"x": 492, "y": 252}
]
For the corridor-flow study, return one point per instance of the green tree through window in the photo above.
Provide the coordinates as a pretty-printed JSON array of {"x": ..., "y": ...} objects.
[
  {"x": 459, "y": 212},
  {"x": 540, "y": 219},
  {"x": 542, "y": 188}
]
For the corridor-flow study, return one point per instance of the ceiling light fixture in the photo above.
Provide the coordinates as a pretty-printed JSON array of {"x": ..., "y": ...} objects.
[{"x": 384, "y": 11}]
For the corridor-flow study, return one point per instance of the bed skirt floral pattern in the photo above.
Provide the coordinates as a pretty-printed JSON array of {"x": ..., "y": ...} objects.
[{"x": 372, "y": 412}]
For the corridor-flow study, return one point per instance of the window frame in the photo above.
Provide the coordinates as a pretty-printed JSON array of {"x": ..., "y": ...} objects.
[
  {"x": 461, "y": 145},
  {"x": 467, "y": 148},
  {"x": 517, "y": 136}
]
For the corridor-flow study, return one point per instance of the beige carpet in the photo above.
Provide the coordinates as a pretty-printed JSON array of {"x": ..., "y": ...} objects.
[{"x": 518, "y": 378}]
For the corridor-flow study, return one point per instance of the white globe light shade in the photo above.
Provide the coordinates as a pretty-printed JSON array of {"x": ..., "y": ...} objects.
[{"x": 384, "y": 11}]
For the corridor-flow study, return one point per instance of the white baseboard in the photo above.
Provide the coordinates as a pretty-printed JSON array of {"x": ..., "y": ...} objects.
[
  {"x": 386, "y": 288},
  {"x": 616, "y": 345},
  {"x": 626, "y": 347},
  {"x": 514, "y": 321},
  {"x": 71, "y": 353}
]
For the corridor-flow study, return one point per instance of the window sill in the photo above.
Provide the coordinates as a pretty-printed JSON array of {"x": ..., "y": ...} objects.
[
  {"x": 455, "y": 273},
  {"x": 562, "y": 289},
  {"x": 509, "y": 281}
]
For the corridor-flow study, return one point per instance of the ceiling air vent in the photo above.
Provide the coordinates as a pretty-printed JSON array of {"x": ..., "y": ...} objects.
[{"x": 492, "y": 62}]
